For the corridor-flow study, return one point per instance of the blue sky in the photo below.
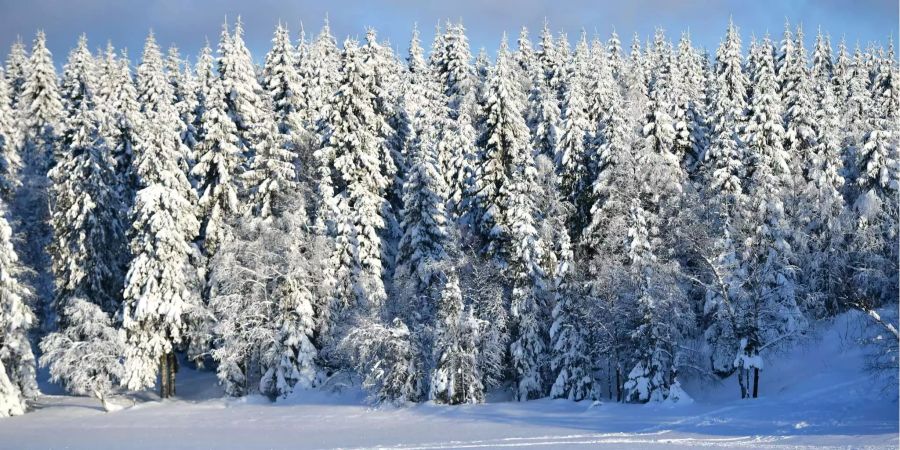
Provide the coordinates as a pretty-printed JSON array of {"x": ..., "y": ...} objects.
[{"x": 187, "y": 22}]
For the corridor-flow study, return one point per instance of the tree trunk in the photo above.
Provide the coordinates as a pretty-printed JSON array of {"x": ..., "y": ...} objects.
[
  {"x": 102, "y": 399},
  {"x": 741, "y": 382},
  {"x": 755, "y": 382},
  {"x": 609, "y": 378},
  {"x": 163, "y": 376},
  {"x": 618, "y": 384},
  {"x": 173, "y": 369}
]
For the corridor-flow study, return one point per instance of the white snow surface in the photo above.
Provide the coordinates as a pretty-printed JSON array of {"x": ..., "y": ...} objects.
[{"x": 814, "y": 396}]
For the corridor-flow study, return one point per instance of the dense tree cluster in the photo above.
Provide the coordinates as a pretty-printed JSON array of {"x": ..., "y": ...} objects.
[{"x": 578, "y": 221}]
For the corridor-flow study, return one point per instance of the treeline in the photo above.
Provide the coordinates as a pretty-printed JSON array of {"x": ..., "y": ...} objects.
[{"x": 579, "y": 222}]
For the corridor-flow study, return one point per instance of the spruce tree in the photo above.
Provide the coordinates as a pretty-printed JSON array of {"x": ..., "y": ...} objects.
[
  {"x": 79, "y": 82},
  {"x": 512, "y": 236},
  {"x": 690, "y": 112},
  {"x": 282, "y": 82},
  {"x": 119, "y": 110},
  {"x": 184, "y": 87},
  {"x": 823, "y": 260},
  {"x": 353, "y": 187},
  {"x": 17, "y": 365},
  {"x": 41, "y": 110},
  {"x": 16, "y": 71},
  {"x": 320, "y": 75},
  {"x": 770, "y": 310},
  {"x": 244, "y": 95},
  {"x": 161, "y": 299},
  {"x": 575, "y": 152},
  {"x": 216, "y": 171},
  {"x": 543, "y": 116},
  {"x": 85, "y": 212},
  {"x": 10, "y": 160},
  {"x": 456, "y": 379},
  {"x": 454, "y": 69}
]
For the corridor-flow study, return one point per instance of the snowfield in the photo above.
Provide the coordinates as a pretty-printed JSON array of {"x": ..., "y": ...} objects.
[{"x": 815, "y": 396}]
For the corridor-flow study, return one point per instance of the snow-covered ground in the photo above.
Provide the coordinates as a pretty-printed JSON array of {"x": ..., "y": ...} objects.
[{"x": 816, "y": 395}]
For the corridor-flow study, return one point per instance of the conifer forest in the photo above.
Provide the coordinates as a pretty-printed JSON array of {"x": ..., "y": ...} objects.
[{"x": 608, "y": 219}]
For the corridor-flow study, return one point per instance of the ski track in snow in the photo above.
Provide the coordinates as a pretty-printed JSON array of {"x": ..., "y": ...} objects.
[{"x": 579, "y": 439}]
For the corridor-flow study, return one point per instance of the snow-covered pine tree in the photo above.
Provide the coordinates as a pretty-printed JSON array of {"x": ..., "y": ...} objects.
[
  {"x": 354, "y": 207},
  {"x": 658, "y": 130},
  {"x": 574, "y": 152},
  {"x": 722, "y": 167},
  {"x": 823, "y": 259},
  {"x": 10, "y": 160},
  {"x": 634, "y": 80},
  {"x": 563, "y": 56},
  {"x": 216, "y": 171},
  {"x": 857, "y": 108},
  {"x": 17, "y": 366},
  {"x": 876, "y": 165},
  {"x": 597, "y": 57},
  {"x": 41, "y": 111},
  {"x": 162, "y": 307},
  {"x": 720, "y": 185},
  {"x": 690, "y": 112},
  {"x": 282, "y": 81},
  {"x": 456, "y": 378},
  {"x": 79, "y": 82},
  {"x": 119, "y": 110},
  {"x": 785, "y": 60},
  {"x": 582, "y": 60},
  {"x": 615, "y": 58},
  {"x": 822, "y": 61},
  {"x": 184, "y": 86},
  {"x": 602, "y": 245},
  {"x": 613, "y": 164},
  {"x": 723, "y": 174},
  {"x": 16, "y": 71},
  {"x": 663, "y": 315},
  {"x": 526, "y": 60},
  {"x": 840, "y": 76},
  {"x": 87, "y": 249},
  {"x": 511, "y": 236},
  {"x": 422, "y": 259},
  {"x": 382, "y": 76},
  {"x": 244, "y": 95},
  {"x": 543, "y": 115},
  {"x": 769, "y": 313},
  {"x": 320, "y": 75},
  {"x": 547, "y": 55},
  {"x": 85, "y": 356},
  {"x": 571, "y": 364},
  {"x": 799, "y": 114},
  {"x": 453, "y": 67},
  {"x": 426, "y": 275},
  {"x": 206, "y": 78}
]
